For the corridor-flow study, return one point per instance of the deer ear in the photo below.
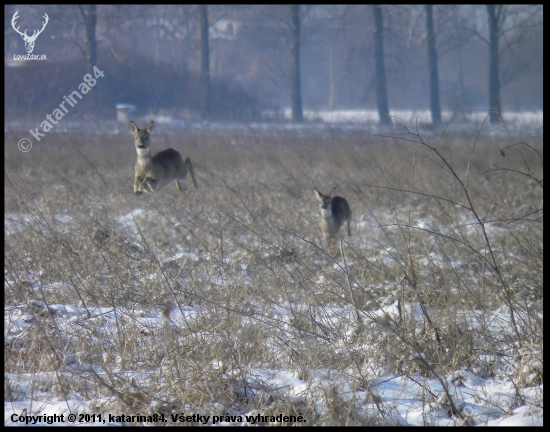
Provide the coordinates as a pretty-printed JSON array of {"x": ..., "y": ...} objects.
[
  {"x": 150, "y": 126},
  {"x": 134, "y": 128},
  {"x": 318, "y": 195}
]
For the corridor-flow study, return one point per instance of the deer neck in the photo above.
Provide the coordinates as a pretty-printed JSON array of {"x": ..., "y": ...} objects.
[{"x": 144, "y": 157}]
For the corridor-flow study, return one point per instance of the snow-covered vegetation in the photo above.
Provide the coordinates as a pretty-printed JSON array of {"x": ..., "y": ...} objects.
[{"x": 223, "y": 304}]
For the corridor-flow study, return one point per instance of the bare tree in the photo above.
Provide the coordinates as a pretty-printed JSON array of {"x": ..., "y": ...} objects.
[
  {"x": 89, "y": 15},
  {"x": 381, "y": 91},
  {"x": 495, "y": 16},
  {"x": 295, "y": 83},
  {"x": 432, "y": 64},
  {"x": 205, "y": 62},
  {"x": 283, "y": 36},
  {"x": 511, "y": 25}
]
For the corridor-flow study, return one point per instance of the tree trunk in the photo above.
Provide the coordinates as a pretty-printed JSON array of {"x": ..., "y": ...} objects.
[
  {"x": 205, "y": 63},
  {"x": 331, "y": 81},
  {"x": 295, "y": 85},
  {"x": 493, "y": 13},
  {"x": 381, "y": 91},
  {"x": 434, "y": 74},
  {"x": 89, "y": 14}
]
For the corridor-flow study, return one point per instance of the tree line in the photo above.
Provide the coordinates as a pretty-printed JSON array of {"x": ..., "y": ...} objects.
[{"x": 276, "y": 55}]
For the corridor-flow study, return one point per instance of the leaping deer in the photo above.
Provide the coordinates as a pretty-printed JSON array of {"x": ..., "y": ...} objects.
[{"x": 155, "y": 172}]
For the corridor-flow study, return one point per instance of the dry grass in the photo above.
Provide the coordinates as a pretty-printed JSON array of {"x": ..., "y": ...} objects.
[{"x": 245, "y": 252}]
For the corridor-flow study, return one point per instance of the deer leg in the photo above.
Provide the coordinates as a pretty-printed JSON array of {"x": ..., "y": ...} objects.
[
  {"x": 149, "y": 182},
  {"x": 189, "y": 167},
  {"x": 137, "y": 186},
  {"x": 180, "y": 187}
]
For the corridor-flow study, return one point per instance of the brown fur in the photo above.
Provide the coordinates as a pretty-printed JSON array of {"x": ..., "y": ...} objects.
[
  {"x": 335, "y": 211},
  {"x": 153, "y": 173}
]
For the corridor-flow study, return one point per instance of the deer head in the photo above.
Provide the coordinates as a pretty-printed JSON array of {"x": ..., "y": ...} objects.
[{"x": 29, "y": 40}]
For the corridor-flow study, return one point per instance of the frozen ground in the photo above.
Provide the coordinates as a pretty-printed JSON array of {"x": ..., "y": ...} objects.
[
  {"x": 502, "y": 390},
  {"x": 488, "y": 402},
  {"x": 337, "y": 122}
]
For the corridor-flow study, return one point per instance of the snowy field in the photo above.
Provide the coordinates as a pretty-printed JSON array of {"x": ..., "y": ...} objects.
[
  {"x": 223, "y": 305},
  {"x": 335, "y": 122}
]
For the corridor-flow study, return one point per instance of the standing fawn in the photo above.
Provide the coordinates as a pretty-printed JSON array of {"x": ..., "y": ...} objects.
[
  {"x": 155, "y": 172},
  {"x": 334, "y": 212}
]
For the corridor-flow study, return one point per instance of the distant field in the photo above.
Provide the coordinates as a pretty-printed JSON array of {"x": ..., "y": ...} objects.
[{"x": 173, "y": 301}]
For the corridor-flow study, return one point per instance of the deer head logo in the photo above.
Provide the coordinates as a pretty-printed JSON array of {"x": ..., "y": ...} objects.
[{"x": 29, "y": 40}]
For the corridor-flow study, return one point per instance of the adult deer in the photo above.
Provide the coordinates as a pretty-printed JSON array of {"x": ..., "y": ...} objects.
[
  {"x": 155, "y": 172},
  {"x": 335, "y": 211}
]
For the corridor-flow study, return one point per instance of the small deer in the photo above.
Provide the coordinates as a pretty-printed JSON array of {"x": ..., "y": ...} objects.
[
  {"x": 334, "y": 212},
  {"x": 155, "y": 172}
]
